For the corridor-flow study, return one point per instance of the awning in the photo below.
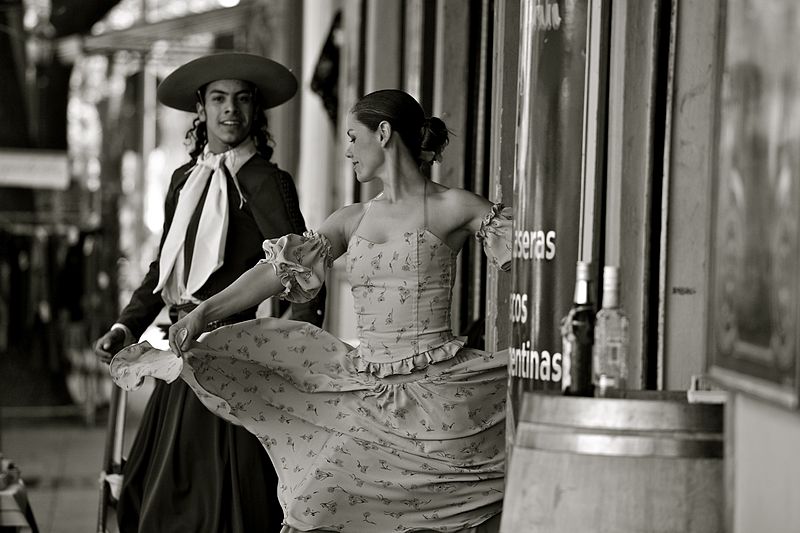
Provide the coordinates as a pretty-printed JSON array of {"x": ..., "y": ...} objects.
[
  {"x": 140, "y": 37},
  {"x": 34, "y": 169}
]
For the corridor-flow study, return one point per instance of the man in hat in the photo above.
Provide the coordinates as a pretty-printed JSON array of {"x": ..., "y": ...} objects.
[{"x": 189, "y": 470}]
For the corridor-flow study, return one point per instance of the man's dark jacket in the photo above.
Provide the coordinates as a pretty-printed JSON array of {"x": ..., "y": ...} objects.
[
  {"x": 187, "y": 469},
  {"x": 271, "y": 210}
]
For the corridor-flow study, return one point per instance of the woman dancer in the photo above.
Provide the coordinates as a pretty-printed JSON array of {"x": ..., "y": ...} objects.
[{"x": 404, "y": 432}]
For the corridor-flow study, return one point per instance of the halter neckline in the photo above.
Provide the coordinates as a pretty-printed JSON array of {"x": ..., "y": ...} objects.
[{"x": 424, "y": 227}]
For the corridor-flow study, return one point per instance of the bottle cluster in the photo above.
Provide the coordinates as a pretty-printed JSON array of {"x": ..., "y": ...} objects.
[{"x": 594, "y": 345}]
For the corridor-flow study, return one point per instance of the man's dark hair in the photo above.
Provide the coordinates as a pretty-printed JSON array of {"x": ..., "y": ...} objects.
[{"x": 197, "y": 136}]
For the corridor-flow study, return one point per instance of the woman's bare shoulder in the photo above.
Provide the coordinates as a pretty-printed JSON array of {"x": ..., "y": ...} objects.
[
  {"x": 462, "y": 201},
  {"x": 349, "y": 210},
  {"x": 343, "y": 220},
  {"x": 339, "y": 225},
  {"x": 349, "y": 215}
]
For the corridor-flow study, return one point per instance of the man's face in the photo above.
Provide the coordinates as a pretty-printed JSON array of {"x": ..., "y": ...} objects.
[{"x": 228, "y": 113}]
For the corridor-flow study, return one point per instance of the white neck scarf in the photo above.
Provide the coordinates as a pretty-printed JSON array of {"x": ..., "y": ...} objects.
[{"x": 209, "y": 246}]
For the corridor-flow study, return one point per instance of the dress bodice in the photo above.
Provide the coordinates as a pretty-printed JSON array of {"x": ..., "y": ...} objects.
[
  {"x": 402, "y": 289},
  {"x": 402, "y": 292}
]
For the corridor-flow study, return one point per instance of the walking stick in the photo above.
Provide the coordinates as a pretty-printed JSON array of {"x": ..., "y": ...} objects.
[{"x": 112, "y": 456}]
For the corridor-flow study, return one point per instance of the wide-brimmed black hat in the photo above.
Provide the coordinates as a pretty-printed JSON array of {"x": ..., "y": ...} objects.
[{"x": 275, "y": 83}]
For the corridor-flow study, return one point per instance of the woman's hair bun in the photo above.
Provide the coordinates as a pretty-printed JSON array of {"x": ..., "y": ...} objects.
[{"x": 434, "y": 136}]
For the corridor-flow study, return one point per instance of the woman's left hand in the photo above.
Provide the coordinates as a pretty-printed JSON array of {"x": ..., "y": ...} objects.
[{"x": 185, "y": 331}]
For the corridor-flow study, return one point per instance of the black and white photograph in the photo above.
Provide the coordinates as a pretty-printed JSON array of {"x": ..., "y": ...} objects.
[{"x": 389, "y": 266}]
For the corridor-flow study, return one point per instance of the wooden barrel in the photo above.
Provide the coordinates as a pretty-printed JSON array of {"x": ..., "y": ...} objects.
[{"x": 647, "y": 465}]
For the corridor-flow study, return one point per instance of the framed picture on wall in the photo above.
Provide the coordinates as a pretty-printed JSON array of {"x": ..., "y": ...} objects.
[{"x": 755, "y": 259}]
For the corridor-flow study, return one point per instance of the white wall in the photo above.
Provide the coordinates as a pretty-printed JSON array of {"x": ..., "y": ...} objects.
[
  {"x": 322, "y": 185},
  {"x": 764, "y": 450},
  {"x": 317, "y": 167}
]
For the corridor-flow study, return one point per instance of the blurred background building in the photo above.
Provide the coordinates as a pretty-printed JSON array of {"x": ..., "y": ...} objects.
[{"x": 670, "y": 125}]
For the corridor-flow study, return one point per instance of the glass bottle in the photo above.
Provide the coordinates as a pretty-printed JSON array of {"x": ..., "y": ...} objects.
[
  {"x": 577, "y": 334},
  {"x": 610, "y": 351}
]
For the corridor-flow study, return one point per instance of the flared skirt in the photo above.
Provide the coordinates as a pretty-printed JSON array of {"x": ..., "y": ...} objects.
[{"x": 355, "y": 452}]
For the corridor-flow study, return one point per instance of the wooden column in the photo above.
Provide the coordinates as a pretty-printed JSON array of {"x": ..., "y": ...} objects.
[
  {"x": 450, "y": 98},
  {"x": 631, "y": 168},
  {"x": 340, "y": 319},
  {"x": 270, "y": 34},
  {"x": 687, "y": 194},
  {"x": 505, "y": 59},
  {"x": 383, "y": 56},
  {"x": 351, "y": 88},
  {"x": 450, "y": 86}
]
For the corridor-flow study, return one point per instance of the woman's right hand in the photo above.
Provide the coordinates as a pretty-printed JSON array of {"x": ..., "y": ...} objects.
[{"x": 185, "y": 331}]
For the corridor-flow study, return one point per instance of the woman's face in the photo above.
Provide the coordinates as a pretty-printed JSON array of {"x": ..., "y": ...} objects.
[
  {"x": 228, "y": 113},
  {"x": 364, "y": 149}
]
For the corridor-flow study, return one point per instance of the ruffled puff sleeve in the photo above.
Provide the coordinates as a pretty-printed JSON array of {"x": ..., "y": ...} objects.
[
  {"x": 300, "y": 262},
  {"x": 495, "y": 235}
]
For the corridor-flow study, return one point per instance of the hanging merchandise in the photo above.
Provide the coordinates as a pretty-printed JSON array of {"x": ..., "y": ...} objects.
[
  {"x": 325, "y": 82},
  {"x": 32, "y": 365}
]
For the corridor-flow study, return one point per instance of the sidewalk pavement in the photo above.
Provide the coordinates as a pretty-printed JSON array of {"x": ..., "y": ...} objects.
[{"x": 60, "y": 459}]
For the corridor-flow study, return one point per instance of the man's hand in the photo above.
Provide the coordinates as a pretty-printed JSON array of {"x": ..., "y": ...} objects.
[{"x": 109, "y": 344}]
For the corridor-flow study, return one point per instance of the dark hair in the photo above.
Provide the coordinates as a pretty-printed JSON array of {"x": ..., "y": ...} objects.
[
  {"x": 424, "y": 137},
  {"x": 197, "y": 136}
]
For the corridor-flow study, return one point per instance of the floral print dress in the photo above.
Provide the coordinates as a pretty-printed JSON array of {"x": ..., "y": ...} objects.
[{"x": 404, "y": 432}]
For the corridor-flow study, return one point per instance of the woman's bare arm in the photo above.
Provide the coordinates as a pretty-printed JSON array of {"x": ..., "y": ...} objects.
[
  {"x": 261, "y": 282},
  {"x": 251, "y": 288},
  {"x": 460, "y": 213}
]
